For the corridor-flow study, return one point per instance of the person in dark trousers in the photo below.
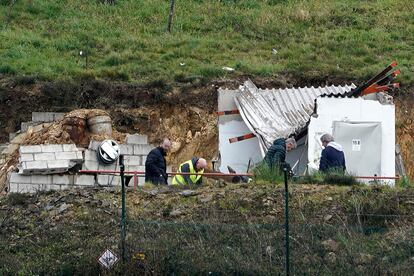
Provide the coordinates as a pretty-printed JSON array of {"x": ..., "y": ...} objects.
[
  {"x": 156, "y": 165},
  {"x": 276, "y": 155},
  {"x": 333, "y": 157}
]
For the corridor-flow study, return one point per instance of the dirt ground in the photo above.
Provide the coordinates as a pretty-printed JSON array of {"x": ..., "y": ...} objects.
[{"x": 184, "y": 112}]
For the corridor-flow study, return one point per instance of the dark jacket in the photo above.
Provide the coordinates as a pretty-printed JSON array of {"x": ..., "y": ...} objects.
[
  {"x": 186, "y": 169},
  {"x": 332, "y": 158},
  {"x": 156, "y": 167},
  {"x": 276, "y": 155}
]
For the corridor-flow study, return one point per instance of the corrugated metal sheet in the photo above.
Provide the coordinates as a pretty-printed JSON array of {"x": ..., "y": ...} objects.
[{"x": 275, "y": 113}]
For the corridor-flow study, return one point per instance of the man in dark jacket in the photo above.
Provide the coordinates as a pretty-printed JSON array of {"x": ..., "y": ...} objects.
[
  {"x": 276, "y": 155},
  {"x": 156, "y": 165},
  {"x": 333, "y": 157}
]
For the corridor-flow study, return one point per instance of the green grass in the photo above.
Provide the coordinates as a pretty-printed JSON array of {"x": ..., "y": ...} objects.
[{"x": 314, "y": 39}]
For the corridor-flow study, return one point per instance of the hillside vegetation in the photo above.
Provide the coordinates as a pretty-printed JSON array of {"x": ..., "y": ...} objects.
[
  {"x": 323, "y": 40},
  {"x": 213, "y": 230}
]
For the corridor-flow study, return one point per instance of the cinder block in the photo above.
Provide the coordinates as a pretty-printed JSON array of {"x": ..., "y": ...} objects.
[
  {"x": 41, "y": 179},
  {"x": 34, "y": 165},
  {"x": 29, "y": 188},
  {"x": 65, "y": 187},
  {"x": 84, "y": 180},
  {"x": 59, "y": 165},
  {"x": 142, "y": 149},
  {"x": 13, "y": 188},
  {"x": 132, "y": 160},
  {"x": 136, "y": 139},
  {"x": 20, "y": 178},
  {"x": 108, "y": 180},
  {"x": 90, "y": 166},
  {"x": 126, "y": 149},
  {"x": 52, "y": 148},
  {"x": 79, "y": 155},
  {"x": 91, "y": 155},
  {"x": 44, "y": 156},
  {"x": 69, "y": 147},
  {"x": 69, "y": 155},
  {"x": 26, "y": 157},
  {"x": 30, "y": 149},
  {"x": 64, "y": 179}
]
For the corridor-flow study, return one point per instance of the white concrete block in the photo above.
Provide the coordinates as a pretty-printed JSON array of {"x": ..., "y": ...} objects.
[
  {"x": 66, "y": 187},
  {"x": 64, "y": 179},
  {"x": 84, "y": 180},
  {"x": 34, "y": 165},
  {"x": 69, "y": 155},
  {"x": 46, "y": 116},
  {"x": 132, "y": 160},
  {"x": 26, "y": 157},
  {"x": 13, "y": 188},
  {"x": 53, "y": 187},
  {"x": 41, "y": 179},
  {"x": 90, "y": 166},
  {"x": 79, "y": 155},
  {"x": 20, "y": 178},
  {"x": 136, "y": 139},
  {"x": 51, "y": 148},
  {"x": 142, "y": 149},
  {"x": 126, "y": 149},
  {"x": 108, "y": 180},
  {"x": 69, "y": 147},
  {"x": 44, "y": 156},
  {"x": 91, "y": 155},
  {"x": 30, "y": 149},
  {"x": 54, "y": 164},
  {"x": 29, "y": 188}
]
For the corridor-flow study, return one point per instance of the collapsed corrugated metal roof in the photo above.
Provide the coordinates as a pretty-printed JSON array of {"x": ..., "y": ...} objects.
[{"x": 275, "y": 113}]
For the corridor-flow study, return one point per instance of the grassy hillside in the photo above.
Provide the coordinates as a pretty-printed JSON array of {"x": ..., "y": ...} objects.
[{"x": 127, "y": 41}]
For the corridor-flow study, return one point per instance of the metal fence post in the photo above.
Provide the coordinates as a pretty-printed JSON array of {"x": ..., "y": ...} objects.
[
  {"x": 123, "y": 214},
  {"x": 285, "y": 172}
]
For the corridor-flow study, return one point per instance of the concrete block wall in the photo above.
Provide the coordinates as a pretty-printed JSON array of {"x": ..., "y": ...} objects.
[
  {"x": 44, "y": 167},
  {"x": 49, "y": 159},
  {"x": 20, "y": 183}
]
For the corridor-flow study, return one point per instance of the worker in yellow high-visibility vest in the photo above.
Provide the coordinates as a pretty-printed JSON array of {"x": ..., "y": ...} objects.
[{"x": 195, "y": 165}]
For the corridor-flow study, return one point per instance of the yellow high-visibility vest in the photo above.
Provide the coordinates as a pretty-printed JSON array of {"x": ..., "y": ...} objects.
[{"x": 179, "y": 179}]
